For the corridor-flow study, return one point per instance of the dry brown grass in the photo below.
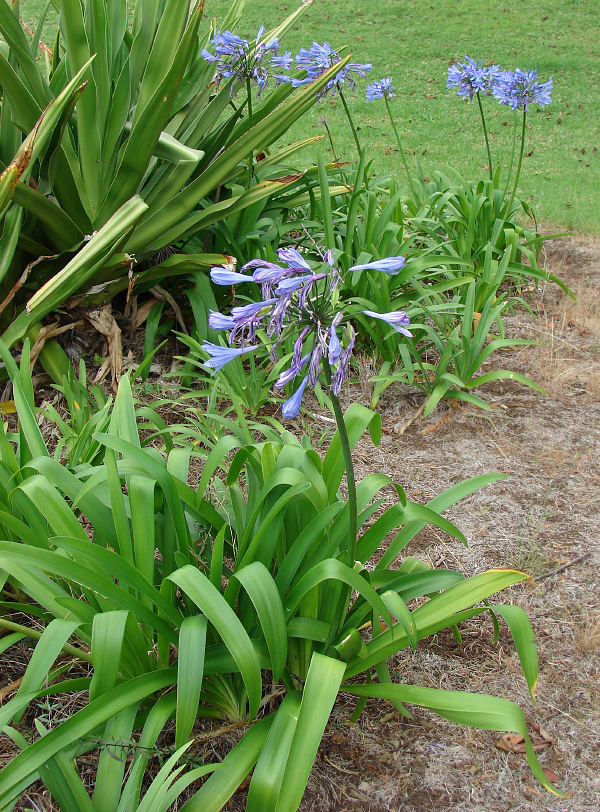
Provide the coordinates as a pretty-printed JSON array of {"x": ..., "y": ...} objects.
[{"x": 587, "y": 634}]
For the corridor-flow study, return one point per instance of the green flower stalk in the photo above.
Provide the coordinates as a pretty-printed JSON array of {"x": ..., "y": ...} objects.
[{"x": 385, "y": 90}]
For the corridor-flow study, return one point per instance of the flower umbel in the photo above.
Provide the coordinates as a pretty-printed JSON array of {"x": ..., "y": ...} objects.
[
  {"x": 301, "y": 302},
  {"x": 519, "y": 89},
  {"x": 316, "y": 60},
  {"x": 380, "y": 90},
  {"x": 233, "y": 57},
  {"x": 472, "y": 77}
]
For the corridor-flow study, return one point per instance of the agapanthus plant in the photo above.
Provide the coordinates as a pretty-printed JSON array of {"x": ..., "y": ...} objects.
[
  {"x": 234, "y": 58},
  {"x": 302, "y": 303},
  {"x": 473, "y": 78},
  {"x": 516, "y": 89}
]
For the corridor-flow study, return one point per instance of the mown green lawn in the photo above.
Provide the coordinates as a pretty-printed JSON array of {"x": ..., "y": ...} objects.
[{"x": 414, "y": 41}]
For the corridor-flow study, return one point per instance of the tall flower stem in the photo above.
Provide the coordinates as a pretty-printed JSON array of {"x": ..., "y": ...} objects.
[
  {"x": 349, "y": 466},
  {"x": 512, "y": 155},
  {"x": 399, "y": 142},
  {"x": 251, "y": 156},
  {"x": 349, "y": 117},
  {"x": 485, "y": 134},
  {"x": 326, "y": 125},
  {"x": 344, "y": 598},
  {"x": 514, "y": 190}
]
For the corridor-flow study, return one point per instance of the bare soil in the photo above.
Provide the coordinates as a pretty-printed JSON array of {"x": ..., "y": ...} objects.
[{"x": 544, "y": 516}]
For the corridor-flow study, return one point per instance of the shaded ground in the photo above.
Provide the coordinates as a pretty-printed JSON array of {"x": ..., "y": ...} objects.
[{"x": 543, "y": 516}]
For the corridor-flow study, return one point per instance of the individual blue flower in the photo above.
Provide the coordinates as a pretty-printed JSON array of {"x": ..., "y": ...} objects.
[
  {"x": 380, "y": 90},
  {"x": 219, "y": 356},
  {"x": 252, "y": 310},
  {"x": 291, "y": 284},
  {"x": 335, "y": 348},
  {"x": 318, "y": 353},
  {"x": 298, "y": 362},
  {"x": 292, "y": 258},
  {"x": 223, "y": 276},
  {"x": 291, "y": 407},
  {"x": 283, "y": 61},
  {"x": 396, "y": 319},
  {"x": 519, "y": 89},
  {"x": 341, "y": 372},
  {"x": 472, "y": 77},
  {"x": 389, "y": 265},
  {"x": 217, "y": 321}
]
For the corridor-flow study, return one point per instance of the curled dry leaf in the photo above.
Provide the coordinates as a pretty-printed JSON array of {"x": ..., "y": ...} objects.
[
  {"x": 515, "y": 743},
  {"x": 511, "y": 743},
  {"x": 103, "y": 320},
  {"x": 550, "y": 775}
]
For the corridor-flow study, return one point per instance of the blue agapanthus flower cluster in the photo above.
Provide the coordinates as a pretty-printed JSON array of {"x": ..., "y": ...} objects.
[
  {"x": 233, "y": 57},
  {"x": 383, "y": 89},
  {"x": 297, "y": 301},
  {"x": 472, "y": 77},
  {"x": 316, "y": 60},
  {"x": 519, "y": 89}
]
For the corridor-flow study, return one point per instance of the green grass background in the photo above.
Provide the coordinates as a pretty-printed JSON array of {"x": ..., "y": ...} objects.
[{"x": 414, "y": 41}]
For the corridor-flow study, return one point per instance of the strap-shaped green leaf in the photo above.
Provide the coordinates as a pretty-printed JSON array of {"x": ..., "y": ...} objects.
[
  {"x": 141, "y": 504},
  {"x": 108, "y": 634},
  {"x": 270, "y": 768},
  {"x": 397, "y": 607},
  {"x": 212, "y": 604},
  {"x": 19, "y": 773},
  {"x": 113, "y": 760},
  {"x": 471, "y": 709},
  {"x": 56, "y": 510},
  {"x": 258, "y": 583},
  {"x": 320, "y": 691},
  {"x": 439, "y": 503},
  {"x": 441, "y": 611},
  {"x": 48, "y": 648},
  {"x": 357, "y": 418},
  {"x": 522, "y": 633},
  {"x": 190, "y": 673}
]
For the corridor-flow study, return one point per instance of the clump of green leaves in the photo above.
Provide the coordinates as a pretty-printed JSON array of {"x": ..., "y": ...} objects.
[{"x": 186, "y": 602}]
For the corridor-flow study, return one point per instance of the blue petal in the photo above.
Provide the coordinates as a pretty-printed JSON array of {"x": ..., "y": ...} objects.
[
  {"x": 221, "y": 276},
  {"x": 387, "y": 265},
  {"x": 291, "y": 407}
]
